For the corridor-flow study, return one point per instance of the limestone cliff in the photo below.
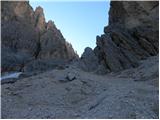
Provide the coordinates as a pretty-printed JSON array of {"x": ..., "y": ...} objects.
[
  {"x": 26, "y": 36},
  {"x": 132, "y": 35}
]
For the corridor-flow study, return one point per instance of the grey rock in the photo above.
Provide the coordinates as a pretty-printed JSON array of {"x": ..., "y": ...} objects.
[
  {"x": 41, "y": 65},
  {"x": 101, "y": 70},
  {"x": 28, "y": 36},
  {"x": 71, "y": 76},
  {"x": 12, "y": 60},
  {"x": 132, "y": 35},
  {"x": 62, "y": 79},
  {"x": 8, "y": 81},
  {"x": 40, "y": 23},
  {"x": 53, "y": 44},
  {"x": 88, "y": 60}
]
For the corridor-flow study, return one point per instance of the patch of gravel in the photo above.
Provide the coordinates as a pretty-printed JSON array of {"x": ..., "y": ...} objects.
[{"x": 87, "y": 96}]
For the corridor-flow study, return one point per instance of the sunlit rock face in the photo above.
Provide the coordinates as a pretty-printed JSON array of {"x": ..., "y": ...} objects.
[
  {"x": 53, "y": 44},
  {"x": 26, "y": 36},
  {"x": 132, "y": 34},
  {"x": 40, "y": 23}
]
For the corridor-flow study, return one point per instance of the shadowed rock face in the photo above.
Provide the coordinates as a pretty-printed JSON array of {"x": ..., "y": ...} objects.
[
  {"x": 89, "y": 61},
  {"x": 132, "y": 34},
  {"x": 26, "y": 36}
]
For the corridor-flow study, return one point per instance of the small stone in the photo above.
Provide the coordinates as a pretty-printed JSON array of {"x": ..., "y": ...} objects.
[
  {"x": 29, "y": 108},
  {"x": 62, "y": 79},
  {"x": 71, "y": 76}
]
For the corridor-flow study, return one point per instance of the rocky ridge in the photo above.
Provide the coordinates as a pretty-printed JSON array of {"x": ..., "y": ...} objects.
[
  {"x": 27, "y": 37},
  {"x": 132, "y": 35}
]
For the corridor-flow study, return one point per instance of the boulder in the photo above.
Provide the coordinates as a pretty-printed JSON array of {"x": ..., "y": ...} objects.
[{"x": 71, "y": 76}]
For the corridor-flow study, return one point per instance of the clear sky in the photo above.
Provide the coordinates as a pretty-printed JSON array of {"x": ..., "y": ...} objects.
[{"x": 80, "y": 22}]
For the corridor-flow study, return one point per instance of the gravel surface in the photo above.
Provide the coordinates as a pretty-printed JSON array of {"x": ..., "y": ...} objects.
[{"x": 131, "y": 93}]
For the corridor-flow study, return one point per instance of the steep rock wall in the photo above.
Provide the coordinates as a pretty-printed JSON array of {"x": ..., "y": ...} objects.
[
  {"x": 26, "y": 36},
  {"x": 132, "y": 35}
]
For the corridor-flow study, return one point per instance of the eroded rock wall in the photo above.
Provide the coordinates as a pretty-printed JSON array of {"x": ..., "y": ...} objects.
[
  {"x": 132, "y": 34},
  {"x": 26, "y": 36}
]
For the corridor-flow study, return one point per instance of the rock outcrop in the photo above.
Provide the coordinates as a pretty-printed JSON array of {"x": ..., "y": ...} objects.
[
  {"x": 89, "y": 60},
  {"x": 132, "y": 35},
  {"x": 40, "y": 23},
  {"x": 27, "y": 37}
]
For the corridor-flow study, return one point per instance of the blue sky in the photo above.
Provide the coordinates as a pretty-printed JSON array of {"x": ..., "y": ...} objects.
[{"x": 80, "y": 22}]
